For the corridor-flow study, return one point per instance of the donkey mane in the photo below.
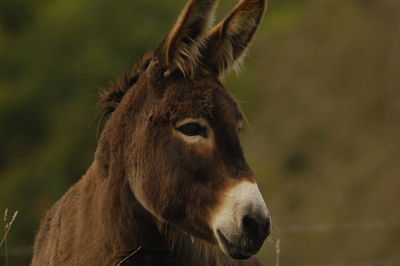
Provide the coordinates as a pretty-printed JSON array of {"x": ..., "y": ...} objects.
[{"x": 112, "y": 96}]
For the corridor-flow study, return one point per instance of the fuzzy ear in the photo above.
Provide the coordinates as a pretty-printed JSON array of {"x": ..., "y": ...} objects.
[
  {"x": 228, "y": 41},
  {"x": 181, "y": 47}
]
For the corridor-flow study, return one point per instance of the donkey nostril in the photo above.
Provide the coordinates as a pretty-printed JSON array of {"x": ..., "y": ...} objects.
[
  {"x": 250, "y": 225},
  {"x": 253, "y": 227}
]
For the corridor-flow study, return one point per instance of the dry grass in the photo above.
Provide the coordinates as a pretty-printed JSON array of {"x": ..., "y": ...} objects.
[
  {"x": 278, "y": 252},
  {"x": 130, "y": 255},
  {"x": 7, "y": 228}
]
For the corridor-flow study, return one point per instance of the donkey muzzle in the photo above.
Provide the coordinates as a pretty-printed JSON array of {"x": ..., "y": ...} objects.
[{"x": 242, "y": 222}]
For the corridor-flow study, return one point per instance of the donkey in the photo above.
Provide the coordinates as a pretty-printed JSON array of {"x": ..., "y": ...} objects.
[{"x": 169, "y": 184}]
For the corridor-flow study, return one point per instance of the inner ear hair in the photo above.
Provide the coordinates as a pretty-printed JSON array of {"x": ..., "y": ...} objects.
[
  {"x": 181, "y": 48},
  {"x": 229, "y": 40}
]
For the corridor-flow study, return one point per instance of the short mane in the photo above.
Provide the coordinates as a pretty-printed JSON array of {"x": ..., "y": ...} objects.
[{"x": 111, "y": 97}]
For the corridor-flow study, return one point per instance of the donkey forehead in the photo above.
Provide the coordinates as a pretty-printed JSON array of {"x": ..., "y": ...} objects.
[{"x": 202, "y": 96}]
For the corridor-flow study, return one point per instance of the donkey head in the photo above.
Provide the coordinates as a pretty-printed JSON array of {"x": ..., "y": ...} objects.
[{"x": 176, "y": 129}]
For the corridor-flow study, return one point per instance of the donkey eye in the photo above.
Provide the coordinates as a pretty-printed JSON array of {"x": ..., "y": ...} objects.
[{"x": 193, "y": 129}]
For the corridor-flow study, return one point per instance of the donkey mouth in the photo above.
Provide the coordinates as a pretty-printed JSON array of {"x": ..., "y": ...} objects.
[{"x": 231, "y": 249}]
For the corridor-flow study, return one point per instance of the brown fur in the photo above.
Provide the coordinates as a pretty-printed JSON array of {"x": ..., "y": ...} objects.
[{"x": 146, "y": 188}]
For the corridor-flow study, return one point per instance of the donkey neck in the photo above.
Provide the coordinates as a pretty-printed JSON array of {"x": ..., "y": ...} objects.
[{"x": 127, "y": 226}]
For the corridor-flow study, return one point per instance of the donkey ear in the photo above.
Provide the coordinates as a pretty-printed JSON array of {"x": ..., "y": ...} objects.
[
  {"x": 228, "y": 41},
  {"x": 181, "y": 48}
]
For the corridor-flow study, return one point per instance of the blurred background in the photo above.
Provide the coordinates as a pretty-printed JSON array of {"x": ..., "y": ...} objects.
[{"x": 321, "y": 89}]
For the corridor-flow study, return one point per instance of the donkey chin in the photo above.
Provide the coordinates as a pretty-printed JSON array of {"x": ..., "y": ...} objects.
[{"x": 241, "y": 222}]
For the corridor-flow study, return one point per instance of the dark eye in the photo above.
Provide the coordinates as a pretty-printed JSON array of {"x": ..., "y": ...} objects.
[{"x": 193, "y": 129}]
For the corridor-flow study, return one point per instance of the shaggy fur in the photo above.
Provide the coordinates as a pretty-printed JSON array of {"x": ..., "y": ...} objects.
[{"x": 148, "y": 193}]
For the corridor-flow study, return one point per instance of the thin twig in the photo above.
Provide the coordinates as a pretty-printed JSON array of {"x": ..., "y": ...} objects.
[
  {"x": 278, "y": 251},
  {"x": 6, "y": 248},
  {"x": 5, "y": 216},
  {"x": 8, "y": 227},
  {"x": 130, "y": 255}
]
